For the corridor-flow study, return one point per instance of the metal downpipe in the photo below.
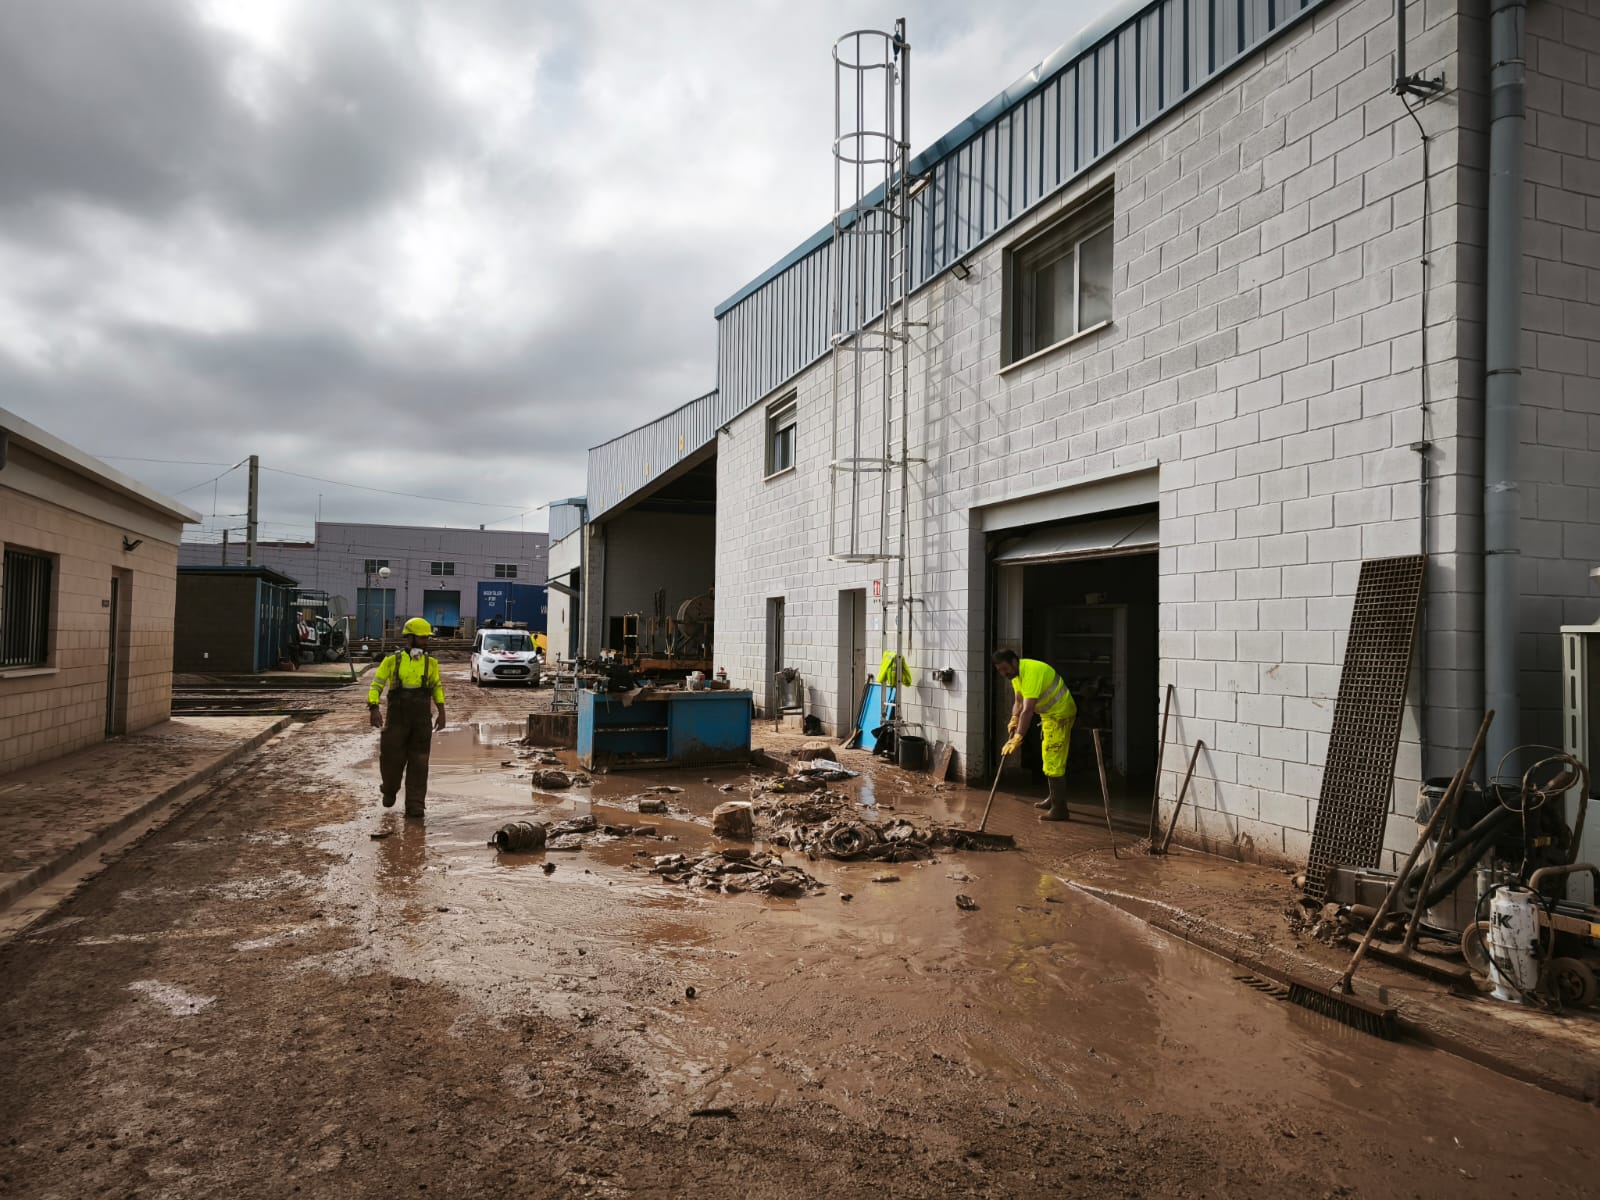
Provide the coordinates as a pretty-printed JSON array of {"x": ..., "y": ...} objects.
[{"x": 1503, "y": 376}]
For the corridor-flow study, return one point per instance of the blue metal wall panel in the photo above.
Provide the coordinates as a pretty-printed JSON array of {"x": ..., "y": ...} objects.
[{"x": 1082, "y": 103}]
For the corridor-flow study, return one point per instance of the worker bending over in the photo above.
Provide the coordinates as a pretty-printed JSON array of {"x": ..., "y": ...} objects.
[
  {"x": 1038, "y": 689},
  {"x": 412, "y": 676}
]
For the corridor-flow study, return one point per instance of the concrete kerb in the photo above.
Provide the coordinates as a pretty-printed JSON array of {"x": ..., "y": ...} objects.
[
  {"x": 1428, "y": 1028},
  {"x": 92, "y": 841}
]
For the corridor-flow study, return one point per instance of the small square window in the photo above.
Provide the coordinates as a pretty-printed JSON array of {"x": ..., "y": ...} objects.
[
  {"x": 441, "y": 568},
  {"x": 1058, "y": 283},
  {"x": 25, "y": 609},
  {"x": 781, "y": 436},
  {"x": 505, "y": 570}
]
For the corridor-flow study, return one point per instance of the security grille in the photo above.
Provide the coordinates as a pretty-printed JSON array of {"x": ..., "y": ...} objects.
[
  {"x": 25, "y": 610},
  {"x": 1358, "y": 778}
]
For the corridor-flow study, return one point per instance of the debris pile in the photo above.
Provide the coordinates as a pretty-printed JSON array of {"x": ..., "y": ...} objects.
[
  {"x": 811, "y": 775},
  {"x": 830, "y": 825},
  {"x": 736, "y": 870}
]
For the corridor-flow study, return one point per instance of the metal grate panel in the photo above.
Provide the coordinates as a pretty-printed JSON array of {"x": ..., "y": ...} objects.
[{"x": 1358, "y": 778}]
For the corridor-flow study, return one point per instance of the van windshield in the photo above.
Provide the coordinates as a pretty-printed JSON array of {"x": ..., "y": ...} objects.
[{"x": 507, "y": 641}]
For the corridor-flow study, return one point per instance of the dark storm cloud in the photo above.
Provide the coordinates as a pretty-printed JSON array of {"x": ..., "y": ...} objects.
[{"x": 128, "y": 105}]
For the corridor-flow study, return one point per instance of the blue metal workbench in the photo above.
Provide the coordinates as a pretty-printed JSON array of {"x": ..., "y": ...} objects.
[{"x": 663, "y": 728}]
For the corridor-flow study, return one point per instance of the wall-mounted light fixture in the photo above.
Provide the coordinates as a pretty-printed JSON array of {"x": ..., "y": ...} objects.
[
  {"x": 961, "y": 270},
  {"x": 129, "y": 545}
]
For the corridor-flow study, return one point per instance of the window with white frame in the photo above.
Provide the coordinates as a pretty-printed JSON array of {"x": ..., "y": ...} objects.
[
  {"x": 505, "y": 570},
  {"x": 25, "y": 608},
  {"x": 441, "y": 568},
  {"x": 781, "y": 436},
  {"x": 1058, "y": 282},
  {"x": 373, "y": 565}
]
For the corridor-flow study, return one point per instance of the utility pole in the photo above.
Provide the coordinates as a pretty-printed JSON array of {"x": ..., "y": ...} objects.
[
  {"x": 250, "y": 530},
  {"x": 224, "y": 547}
]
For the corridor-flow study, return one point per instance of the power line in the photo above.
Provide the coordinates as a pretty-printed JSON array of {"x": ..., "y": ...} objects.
[
  {"x": 176, "y": 462},
  {"x": 386, "y": 492},
  {"x": 214, "y": 478}
]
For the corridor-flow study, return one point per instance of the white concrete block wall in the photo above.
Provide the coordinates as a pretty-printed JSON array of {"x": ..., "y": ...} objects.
[
  {"x": 1266, "y": 350},
  {"x": 1560, "y": 347}
]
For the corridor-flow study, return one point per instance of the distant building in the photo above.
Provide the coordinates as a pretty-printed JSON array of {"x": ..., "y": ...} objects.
[
  {"x": 86, "y": 598},
  {"x": 453, "y": 578}
]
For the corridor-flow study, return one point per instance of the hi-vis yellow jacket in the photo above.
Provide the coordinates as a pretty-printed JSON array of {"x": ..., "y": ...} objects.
[{"x": 408, "y": 674}]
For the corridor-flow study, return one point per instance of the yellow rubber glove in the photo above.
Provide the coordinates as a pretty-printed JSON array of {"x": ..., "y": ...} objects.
[
  {"x": 1012, "y": 726},
  {"x": 1012, "y": 746}
]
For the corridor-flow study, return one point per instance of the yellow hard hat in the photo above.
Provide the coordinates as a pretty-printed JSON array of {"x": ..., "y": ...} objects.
[{"x": 417, "y": 627}]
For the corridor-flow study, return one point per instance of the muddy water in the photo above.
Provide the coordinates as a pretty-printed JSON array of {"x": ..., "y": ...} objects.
[{"x": 1042, "y": 997}]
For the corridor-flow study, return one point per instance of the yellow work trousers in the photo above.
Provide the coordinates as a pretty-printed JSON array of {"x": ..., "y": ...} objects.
[{"x": 1055, "y": 733}]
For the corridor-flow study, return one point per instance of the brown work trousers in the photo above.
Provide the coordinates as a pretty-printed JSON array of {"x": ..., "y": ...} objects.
[{"x": 404, "y": 745}]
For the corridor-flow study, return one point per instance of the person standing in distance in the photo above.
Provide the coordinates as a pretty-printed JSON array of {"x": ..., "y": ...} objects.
[
  {"x": 412, "y": 677},
  {"x": 1038, "y": 689}
]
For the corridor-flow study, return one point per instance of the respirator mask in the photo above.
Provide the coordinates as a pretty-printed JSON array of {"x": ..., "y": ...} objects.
[{"x": 415, "y": 653}]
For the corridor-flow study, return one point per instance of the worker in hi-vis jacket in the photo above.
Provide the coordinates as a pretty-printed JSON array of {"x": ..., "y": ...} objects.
[
  {"x": 412, "y": 676},
  {"x": 1039, "y": 690}
]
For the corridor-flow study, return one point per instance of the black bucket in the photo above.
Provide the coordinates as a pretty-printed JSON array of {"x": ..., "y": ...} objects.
[
  {"x": 912, "y": 752},
  {"x": 519, "y": 837}
]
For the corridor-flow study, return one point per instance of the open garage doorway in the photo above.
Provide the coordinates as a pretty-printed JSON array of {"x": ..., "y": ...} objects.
[{"x": 1084, "y": 597}]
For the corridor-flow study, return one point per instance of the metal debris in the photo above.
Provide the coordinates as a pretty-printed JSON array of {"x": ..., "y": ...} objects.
[{"x": 520, "y": 837}]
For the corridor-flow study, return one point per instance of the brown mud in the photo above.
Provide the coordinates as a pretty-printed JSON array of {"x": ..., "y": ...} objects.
[{"x": 265, "y": 999}]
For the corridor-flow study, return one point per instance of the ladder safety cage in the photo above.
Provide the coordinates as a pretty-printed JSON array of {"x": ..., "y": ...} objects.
[{"x": 870, "y": 275}]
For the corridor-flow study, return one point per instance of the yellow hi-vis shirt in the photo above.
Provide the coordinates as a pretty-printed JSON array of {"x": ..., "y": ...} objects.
[
  {"x": 403, "y": 672},
  {"x": 1038, "y": 681}
]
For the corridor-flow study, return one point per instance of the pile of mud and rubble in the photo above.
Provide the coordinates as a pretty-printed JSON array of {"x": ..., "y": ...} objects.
[{"x": 793, "y": 811}]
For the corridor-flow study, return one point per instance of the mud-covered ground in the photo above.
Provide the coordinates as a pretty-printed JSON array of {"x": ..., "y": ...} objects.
[{"x": 264, "y": 999}]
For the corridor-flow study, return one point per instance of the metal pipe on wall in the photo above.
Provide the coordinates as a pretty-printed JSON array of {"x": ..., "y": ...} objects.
[{"x": 1503, "y": 374}]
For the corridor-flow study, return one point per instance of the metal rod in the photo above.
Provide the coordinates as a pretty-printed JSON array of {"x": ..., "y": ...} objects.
[
  {"x": 1105, "y": 792},
  {"x": 1182, "y": 792},
  {"x": 1342, "y": 984},
  {"x": 1161, "y": 750}
]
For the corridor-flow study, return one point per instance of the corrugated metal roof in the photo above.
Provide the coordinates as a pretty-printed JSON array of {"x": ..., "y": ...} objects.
[
  {"x": 636, "y": 459},
  {"x": 1048, "y": 128},
  {"x": 566, "y": 517}
]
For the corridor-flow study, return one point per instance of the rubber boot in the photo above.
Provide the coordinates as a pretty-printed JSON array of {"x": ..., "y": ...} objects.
[{"x": 1056, "y": 806}]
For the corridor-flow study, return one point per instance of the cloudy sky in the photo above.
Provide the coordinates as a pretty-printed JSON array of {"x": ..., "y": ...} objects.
[{"x": 436, "y": 247}]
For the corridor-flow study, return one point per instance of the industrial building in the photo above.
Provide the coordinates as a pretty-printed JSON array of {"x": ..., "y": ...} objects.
[
  {"x": 86, "y": 598},
  {"x": 1216, "y": 304},
  {"x": 382, "y": 574}
]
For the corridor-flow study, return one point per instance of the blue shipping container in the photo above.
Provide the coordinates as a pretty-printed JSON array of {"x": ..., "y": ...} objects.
[{"x": 521, "y": 602}]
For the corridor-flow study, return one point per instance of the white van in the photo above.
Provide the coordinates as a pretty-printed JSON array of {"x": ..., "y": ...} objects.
[{"x": 504, "y": 656}]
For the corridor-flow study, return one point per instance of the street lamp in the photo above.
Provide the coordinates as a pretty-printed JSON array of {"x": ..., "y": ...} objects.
[{"x": 383, "y": 574}]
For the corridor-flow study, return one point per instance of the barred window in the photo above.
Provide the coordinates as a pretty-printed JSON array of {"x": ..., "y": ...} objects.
[
  {"x": 373, "y": 564},
  {"x": 505, "y": 570},
  {"x": 441, "y": 568},
  {"x": 25, "y": 609}
]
